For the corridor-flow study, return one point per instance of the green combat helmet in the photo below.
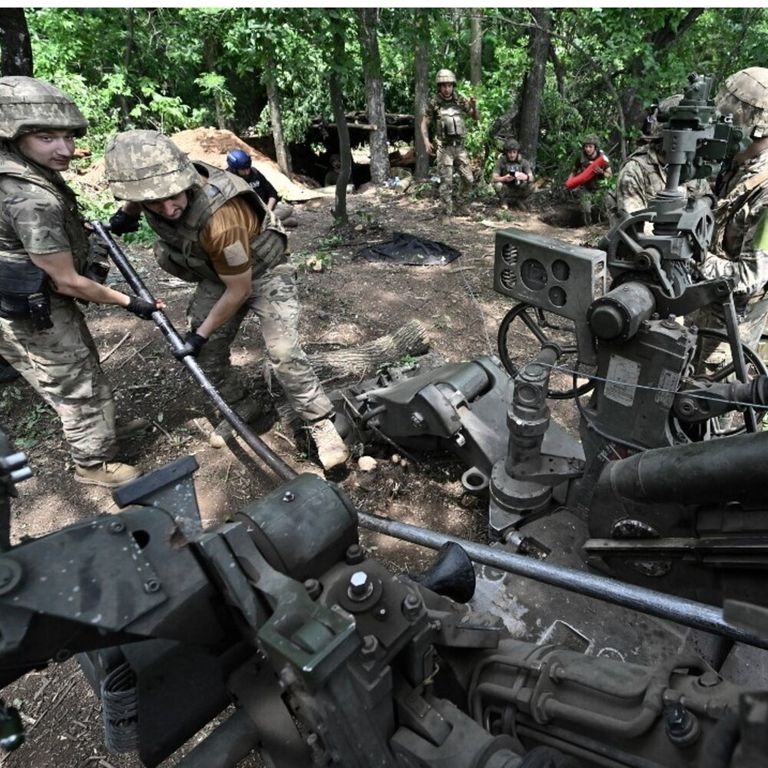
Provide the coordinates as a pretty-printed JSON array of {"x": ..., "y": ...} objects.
[
  {"x": 147, "y": 165},
  {"x": 28, "y": 104},
  {"x": 590, "y": 138},
  {"x": 445, "y": 76},
  {"x": 745, "y": 96},
  {"x": 511, "y": 144}
]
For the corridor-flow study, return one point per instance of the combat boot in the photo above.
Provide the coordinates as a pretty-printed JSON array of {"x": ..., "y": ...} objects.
[
  {"x": 331, "y": 449},
  {"x": 108, "y": 474}
]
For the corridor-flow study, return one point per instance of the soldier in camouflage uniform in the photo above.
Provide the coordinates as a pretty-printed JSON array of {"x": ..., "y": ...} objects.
[
  {"x": 586, "y": 193},
  {"x": 644, "y": 174},
  {"x": 447, "y": 109},
  {"x": 739, "y": 247},
  {"x": 214, "y": 230},
  {"x": 44, "y": 259},
  {"x": 512, "y": 176}
]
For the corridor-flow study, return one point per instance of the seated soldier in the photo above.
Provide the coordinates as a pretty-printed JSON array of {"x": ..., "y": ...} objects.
[{"x": 512, "y": 177}]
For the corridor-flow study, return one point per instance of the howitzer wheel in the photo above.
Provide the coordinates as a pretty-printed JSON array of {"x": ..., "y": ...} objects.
[{"x": 517, "y": 347}]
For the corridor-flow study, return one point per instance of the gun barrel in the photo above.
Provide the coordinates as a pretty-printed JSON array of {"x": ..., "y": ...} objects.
[{"x": 699, "y": 473}]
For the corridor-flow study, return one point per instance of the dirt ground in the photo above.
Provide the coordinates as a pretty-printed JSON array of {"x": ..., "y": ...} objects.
[{"x": 350, "y": 302}]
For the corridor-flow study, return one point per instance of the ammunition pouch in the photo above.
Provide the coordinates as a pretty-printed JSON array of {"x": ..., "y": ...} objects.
[
  {"x": 24, "y": 294},
  {"x": 98, "y": 264}
]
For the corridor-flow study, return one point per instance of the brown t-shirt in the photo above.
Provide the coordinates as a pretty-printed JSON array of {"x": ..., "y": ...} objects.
[{"x": 227, "y": 235}]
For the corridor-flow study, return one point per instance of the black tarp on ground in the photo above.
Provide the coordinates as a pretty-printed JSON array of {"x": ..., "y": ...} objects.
[{"x": 409, "y": 249}]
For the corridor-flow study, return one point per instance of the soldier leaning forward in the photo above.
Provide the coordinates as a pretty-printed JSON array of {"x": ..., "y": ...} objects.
[
  {"x": 44, "y": 266},
  {"x": 739, "y": 247},
  {"x": 512, "y": 176},
  {"x": 214, "y": 230},
  {"x": 448, "y": 109}
]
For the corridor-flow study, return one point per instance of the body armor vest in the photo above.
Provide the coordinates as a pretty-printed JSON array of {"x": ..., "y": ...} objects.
[
  {"x": 451, "y": 124},
  {"x": 14, "y": 167},
  {"x": 724, "y": 242},
  {"x": 179, "y": 251}
]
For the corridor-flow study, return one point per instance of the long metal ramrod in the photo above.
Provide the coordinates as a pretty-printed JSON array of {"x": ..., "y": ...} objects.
[
  {"x": 259, "y": 447},
  {"x": 686, "y": 612}
]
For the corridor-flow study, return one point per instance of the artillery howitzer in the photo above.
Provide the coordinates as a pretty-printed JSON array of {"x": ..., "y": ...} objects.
[
  {"x": 668, "y": 501},
  {"x": 329, "y": 659},
  {"x": 332, "y": 661}
]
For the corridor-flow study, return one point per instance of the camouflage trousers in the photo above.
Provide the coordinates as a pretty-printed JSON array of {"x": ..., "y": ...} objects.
[
  {"x": 512, "y": 193},
  {"x": 275, "y": 301},
  {"x": 448, "y": 156},
  {"x": 753, "y": 318},
  {"x": 62, "y": 365},
  {"x": 586, "y": 200}
]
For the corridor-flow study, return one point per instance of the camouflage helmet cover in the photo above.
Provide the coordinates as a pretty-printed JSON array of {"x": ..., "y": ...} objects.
[
  {"x": 147, "y": 165},
  {"x": 511, "y": 144},
  {"x": 28, "y": 104},
  {"x": 445, "y": 76},
  {"x": 590, "y": 138},
  {"x": 745, "y": 95}
]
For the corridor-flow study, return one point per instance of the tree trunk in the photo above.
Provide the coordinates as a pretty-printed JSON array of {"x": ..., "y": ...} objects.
[
  {"x": 125, "y": 108},
  {"x": 476, "y": 46},
  {"x": 282, "y": 152},
  {"x": 211, "y": 56},
  {"x": 368, "y": 20},
  {"x": 421, "y": 77},
  {"x": 530, "y": 104},
  {"x": 361, "y": 361},
  {"x": 15, "y": 44},
  {"x": 337, "y": 103}
]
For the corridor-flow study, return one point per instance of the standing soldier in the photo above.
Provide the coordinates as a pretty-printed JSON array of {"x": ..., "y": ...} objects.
[
  {"x": 590, "y": 152},
  {"x": 44, "y": 261},
  {"x": 512, "y": 176},
  {"x": 739, "y": 247},
  {"x": 447, "y": 109},
  {"x": 214, "y": 230}
]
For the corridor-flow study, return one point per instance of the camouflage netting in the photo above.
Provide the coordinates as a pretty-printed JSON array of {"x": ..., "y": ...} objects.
[{"x": 211, "y": 146}]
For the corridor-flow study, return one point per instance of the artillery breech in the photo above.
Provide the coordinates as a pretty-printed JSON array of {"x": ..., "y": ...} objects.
[
  {"x": 259, "y": 447},
  {"x": 686, "y": 612}
]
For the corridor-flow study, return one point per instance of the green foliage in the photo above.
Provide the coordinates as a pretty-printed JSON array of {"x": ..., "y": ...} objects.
[
  {"x": 36, "y": 421},
  {"x": 176, "y": 68}
]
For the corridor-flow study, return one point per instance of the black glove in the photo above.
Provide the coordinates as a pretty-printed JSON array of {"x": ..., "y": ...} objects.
[
  {"x": 193, "y": 343},
  {"x": 121, "y": 223},
  {"x": 269, "y": 246},
  {"x": 141, "y": 308}
]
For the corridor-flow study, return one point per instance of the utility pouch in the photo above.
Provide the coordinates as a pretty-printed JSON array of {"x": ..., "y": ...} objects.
[{"x": 24, "y": 293}]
